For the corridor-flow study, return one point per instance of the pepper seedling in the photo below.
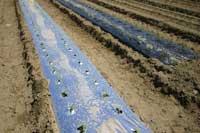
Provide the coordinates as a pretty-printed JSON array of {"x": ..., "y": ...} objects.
[
  {"x": 136, "y": 131},
  {"x": 58, "y": 81},
  {"x": 71, "y": 109},
  {"x": 105, "y": 94},
  {"x": 119, "y": 110},
  {"x": 82, "y": 128},
  {"x": 64, "y": 94}
]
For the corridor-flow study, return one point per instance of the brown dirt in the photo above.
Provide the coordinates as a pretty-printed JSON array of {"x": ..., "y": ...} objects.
[
  {"x": 175, "y": 5},
  {"x": 154, "y": 29},
  {"x": 25, "y": 103},
  {"x": 186, "y": 4},
  {"x": 166, "y": 98},
  {"x": 137, "y": 80},
  {"x": 167, "y": 81},
  {"x": 174, "y": 19},
  {"x": 187, "y": 18},
  {"x": 162, "y": 23},
  {"x": 190, "y": 74}
]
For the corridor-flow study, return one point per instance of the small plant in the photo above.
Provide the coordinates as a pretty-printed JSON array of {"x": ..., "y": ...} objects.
[
  {"x": 136, "y": 131},
  {"x": 87, "y": 72},
  {"x": 105, "y": 94},
  {"x": 119, "y": 110},
  {"x": 80, "y": 63},
  {"x": 96, "y": 82},
  {"x": 82, "y": 128},
  {"x": 58, "y": 81},
  {"x": 54, "y": 71},
  {"x": 71, "y": 109},
  {"x": 64, "y": 94},
  {"x": 69, "y": 49},
  {"x": 50, "y": 63}
]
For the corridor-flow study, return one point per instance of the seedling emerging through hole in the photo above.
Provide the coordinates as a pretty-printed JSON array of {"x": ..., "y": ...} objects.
[
  {"x": 105, "y": 94},
  {"x": 64, "y": 94},
  {"x": 69, "y": 49},
  {"x": 43, "y": 49},
  {"x": 119, "y": 110},
  {"x": 82, "y": 128},
  {"x": 54, "y": 71},
  {"x": 136, "y": 131},
  {"x": 87, "y": 72},
  {"x": 58, "y": 81},
  {"x": 50, "y": 63},
  {"x": 71, "y": 109},
  {"x": 80, "y": 63},
  {"x": 95, "y": 82}
]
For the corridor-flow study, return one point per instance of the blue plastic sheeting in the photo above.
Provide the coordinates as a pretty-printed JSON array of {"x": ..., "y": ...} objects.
[
  {"x": 142, "y": 41},
  {"x": 82, "y": 98}
]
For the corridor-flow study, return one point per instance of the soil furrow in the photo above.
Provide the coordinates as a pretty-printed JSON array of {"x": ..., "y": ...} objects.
[
  {"x": 185, "y": 4},
  {"x": 144, "y": 66},
  {"x": 116, "y": 69},
  {"x": 166, "y": 98},
  {"x": 42, "y": 114},
  {"x": 154, "y": 29},
  {"x": 189, "y": 20},
  {"x": 163, "y": 26},
  {"x": 25, "y": 105},
  {"x": 170, "y": 7}
]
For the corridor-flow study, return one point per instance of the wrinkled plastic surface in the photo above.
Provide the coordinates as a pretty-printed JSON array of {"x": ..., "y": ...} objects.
[
  {"x": 82, "y": 98},
  {"x": 145, "y": 42}
]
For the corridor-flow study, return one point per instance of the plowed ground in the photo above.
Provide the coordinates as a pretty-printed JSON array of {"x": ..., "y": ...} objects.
[{"x": 166, "y": 98}]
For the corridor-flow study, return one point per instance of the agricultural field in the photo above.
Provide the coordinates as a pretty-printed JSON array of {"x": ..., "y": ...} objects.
[{"x": 147, "y": 50}]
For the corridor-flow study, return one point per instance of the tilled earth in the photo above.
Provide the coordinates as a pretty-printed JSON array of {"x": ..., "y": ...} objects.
[
  {"x": 25, "y": 105},
  {"x": 166, "y": 98}
]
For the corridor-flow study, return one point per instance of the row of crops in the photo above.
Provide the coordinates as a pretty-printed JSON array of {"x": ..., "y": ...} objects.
[
  {"x": 83, "y": 101},
  {"x": 145, "y": 42}
]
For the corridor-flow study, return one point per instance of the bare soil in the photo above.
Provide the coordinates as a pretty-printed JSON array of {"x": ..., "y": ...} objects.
[
  {"x": 174, "y": 19},
  {"x": 185, "y": 4},
  {"x": 166, "y": 98},
  {"x": 164, "y": 29},
  {"x": 170, "y": 82},
  {"x": 137, "y": 79},
  {"x": 188, "y": 7},
  {"x": 25, "y": 105}
]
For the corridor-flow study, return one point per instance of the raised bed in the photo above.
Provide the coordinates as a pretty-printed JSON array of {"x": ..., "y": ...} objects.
[
  {"x": 145, "y": 42},
  {"x": 83, "y": 101}
]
